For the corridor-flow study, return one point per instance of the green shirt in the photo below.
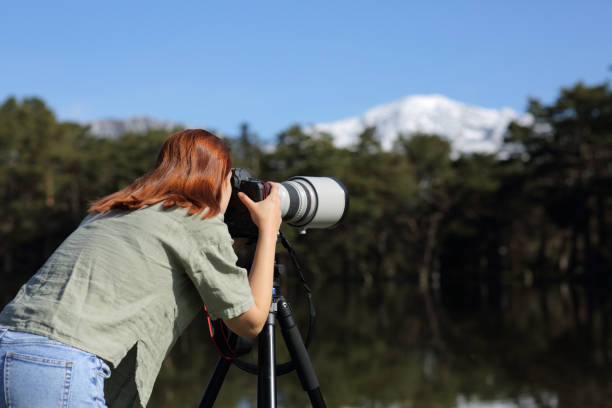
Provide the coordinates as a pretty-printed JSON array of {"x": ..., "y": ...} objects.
[{"x": 124, "y": 285}]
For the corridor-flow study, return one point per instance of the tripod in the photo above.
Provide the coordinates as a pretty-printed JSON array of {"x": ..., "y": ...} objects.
[{"x": 267, "y": 370}]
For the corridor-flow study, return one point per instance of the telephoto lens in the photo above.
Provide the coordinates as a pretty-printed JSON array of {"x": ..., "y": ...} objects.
[
  {"x": 306, "y": 202},
  {"x": 313, "y": 202}
]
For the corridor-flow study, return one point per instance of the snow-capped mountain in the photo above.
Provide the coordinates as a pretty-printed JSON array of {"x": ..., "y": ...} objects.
[
  {"x": 469, "y": 128},
  {"x": 113, "y": 128}
]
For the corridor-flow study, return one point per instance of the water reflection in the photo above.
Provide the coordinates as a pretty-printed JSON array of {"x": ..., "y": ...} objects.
[{"x": 378, "y": 347}]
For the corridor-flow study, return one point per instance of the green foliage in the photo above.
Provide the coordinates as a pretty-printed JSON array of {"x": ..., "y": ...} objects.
[{"x": 567, "y": 155}]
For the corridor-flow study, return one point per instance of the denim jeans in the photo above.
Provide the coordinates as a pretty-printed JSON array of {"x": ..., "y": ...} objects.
[{"x": 37, "y": 372}]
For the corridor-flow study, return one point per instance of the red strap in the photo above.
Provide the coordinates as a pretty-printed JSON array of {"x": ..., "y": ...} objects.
[{"x": 212, "y": 337}]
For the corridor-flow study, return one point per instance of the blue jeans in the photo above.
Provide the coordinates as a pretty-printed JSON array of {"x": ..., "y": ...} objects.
[{"x": 37, "y": 372}]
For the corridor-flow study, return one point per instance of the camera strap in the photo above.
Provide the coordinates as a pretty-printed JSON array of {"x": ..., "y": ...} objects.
[
  {"x": 298, "y": 269},
  {"x": 220, "y": 336}
]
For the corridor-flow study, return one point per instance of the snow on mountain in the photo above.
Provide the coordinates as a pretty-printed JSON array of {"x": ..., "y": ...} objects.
[
  {"x": 113, "y": 128},
  {"x": 469, "y": 128}
]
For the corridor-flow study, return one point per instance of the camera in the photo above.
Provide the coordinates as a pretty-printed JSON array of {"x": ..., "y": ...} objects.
[{"x": 306, "y": 202}]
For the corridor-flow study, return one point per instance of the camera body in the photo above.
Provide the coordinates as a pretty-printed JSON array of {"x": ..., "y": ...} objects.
[
  {"x": 306, "y": 202},
  {"x": 237, "y": 216}
]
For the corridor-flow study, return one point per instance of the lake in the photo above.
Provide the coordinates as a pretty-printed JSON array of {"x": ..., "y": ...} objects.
[{"x": 460, "y": 346}]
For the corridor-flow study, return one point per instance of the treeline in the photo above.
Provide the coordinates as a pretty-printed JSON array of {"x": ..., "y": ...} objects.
[{"x": 537, "y": 213}]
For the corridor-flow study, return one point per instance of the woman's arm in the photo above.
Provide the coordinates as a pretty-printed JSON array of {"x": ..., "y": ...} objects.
[{"x": 266, "y": 215}]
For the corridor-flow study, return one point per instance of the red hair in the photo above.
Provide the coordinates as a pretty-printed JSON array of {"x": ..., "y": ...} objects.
[{"x": 190, "y": 169}]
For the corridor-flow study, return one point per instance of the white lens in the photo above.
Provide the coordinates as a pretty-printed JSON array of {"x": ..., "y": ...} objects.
[{"x": 313, "y": 202}]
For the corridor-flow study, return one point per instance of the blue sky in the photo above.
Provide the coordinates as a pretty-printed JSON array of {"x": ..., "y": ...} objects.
[{"x": 272, "y": 63}]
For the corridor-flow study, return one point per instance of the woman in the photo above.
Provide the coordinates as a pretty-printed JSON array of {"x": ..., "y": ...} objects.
[{"x": 127, "y": 282}]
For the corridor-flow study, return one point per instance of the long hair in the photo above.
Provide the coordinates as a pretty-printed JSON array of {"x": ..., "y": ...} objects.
[{"x": 189, "y": 172}]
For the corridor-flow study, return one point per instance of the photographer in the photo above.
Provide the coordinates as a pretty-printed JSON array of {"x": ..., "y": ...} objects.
[{"x": 127, "y": 282}]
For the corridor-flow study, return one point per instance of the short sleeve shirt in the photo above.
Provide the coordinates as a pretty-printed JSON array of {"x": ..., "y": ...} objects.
[{"x": 132, "y": 281}]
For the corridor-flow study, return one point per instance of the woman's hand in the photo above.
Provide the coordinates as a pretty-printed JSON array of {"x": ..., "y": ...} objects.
[{"x": 266, "y": 214}]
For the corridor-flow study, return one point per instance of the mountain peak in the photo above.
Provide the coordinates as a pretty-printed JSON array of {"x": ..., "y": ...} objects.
[{"x": 469, "y": 128}]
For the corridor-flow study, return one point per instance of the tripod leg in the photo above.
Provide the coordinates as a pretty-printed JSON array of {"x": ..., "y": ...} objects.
[
  {"x": 299, "y": 355},
  {"x": 215, "y": 383},
  {"x": 266, "y": 384}
]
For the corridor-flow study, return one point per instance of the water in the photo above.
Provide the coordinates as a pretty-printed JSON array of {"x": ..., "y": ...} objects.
[{"x": 385, "y": 347}]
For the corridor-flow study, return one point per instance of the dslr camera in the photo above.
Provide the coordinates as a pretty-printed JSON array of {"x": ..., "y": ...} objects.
[{"x": 306, "y": 202}]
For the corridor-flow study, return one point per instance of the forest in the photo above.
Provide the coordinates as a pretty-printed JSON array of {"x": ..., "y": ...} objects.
[{"x": 465, "y": 232}]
